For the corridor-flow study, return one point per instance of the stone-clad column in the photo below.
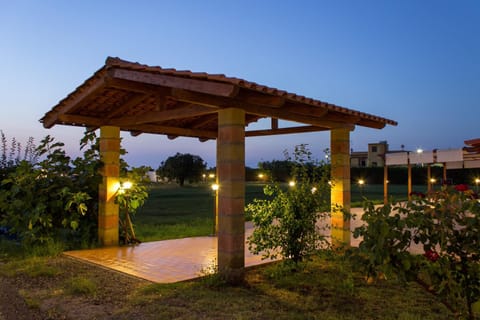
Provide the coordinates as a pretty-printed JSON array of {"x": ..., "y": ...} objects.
[
  {"x": 340, "y": 193},
  {"x": 231, "y": 193},
  {"x": 107, "y": 209}
]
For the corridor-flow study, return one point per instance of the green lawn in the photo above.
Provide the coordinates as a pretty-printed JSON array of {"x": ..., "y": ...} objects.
[
  {"x": 326, "y": 289},
  {"x": 177, "y": 212},
  {"x": 329, "y": 288}
]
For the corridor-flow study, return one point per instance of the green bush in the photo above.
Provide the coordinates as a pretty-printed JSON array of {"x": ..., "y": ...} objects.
[
  {"x": 285, "y": 222},
  {"x": 55, "y": 200},
  {"x": 41, "y": 201},
  {"x": 447, "y": 226}
]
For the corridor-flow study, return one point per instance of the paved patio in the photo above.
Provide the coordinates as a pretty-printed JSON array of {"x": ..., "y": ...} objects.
[
  {"x": 175, "y": 260},
  {"x": 164, "y": 261}
]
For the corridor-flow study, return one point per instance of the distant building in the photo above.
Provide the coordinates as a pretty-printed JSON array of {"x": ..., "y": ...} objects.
[{"x": 374, "y": 157}]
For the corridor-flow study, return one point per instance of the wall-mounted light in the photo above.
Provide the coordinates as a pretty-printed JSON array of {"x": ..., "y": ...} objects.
[
  {"x": 291, "y": 183},
  {"x": 215, "y": 187},
  {"x": 123, "y": 186}
]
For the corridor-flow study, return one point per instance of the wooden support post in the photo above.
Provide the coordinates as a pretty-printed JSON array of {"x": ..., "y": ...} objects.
[
  {"x": 107, "y": 208},
  {"x": 231, "y": 193},
  {"x": 444, "y": 173},
  {"x": 409, "y": 183},
  {"x": 429, "y": 178},
  {"x": 340, "y": 193},
  {"x": 385, "y": 184}
]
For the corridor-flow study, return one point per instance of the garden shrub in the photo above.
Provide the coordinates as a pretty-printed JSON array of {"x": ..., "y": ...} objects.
[
  {"x": 42, "y": 202},
  {"x": 55, "y": 199},
  {"x": 285, "y": 223},
  {"x": 446, "y": 224}
]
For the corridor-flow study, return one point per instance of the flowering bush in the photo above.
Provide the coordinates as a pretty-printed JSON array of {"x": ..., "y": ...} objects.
[
  {"x": 431, "y": 255},
  {"x": 445, "y": 224}
]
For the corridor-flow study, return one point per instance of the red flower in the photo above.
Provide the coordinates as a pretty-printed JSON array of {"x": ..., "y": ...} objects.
[
  {"x": 431, "y": 255},
  {"x": 461, "y": 187}
]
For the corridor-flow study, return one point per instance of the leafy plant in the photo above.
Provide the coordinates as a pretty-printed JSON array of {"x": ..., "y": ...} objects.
[
  {"x": 55, "y": 199},
  {"x": 446, "y": 224},
  {"x": 130, "y": 200},
  {"x": 285, "y": 224},
  {"x": 39, "y": 198}
]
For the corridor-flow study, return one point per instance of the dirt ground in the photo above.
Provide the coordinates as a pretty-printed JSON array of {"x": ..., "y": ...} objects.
[{"x": 34, "y": 297}]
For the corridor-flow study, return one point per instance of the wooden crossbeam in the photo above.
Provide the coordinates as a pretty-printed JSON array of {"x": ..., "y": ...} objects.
[
  {"x": 160, "y": 116},
  {"x": 290, "y": 130},
  {"x": 171, "y": 131},
  {"x": 281, "y": 113}
]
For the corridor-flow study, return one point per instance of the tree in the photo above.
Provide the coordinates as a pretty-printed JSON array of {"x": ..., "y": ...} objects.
[
  {"x": 181, "y": 167},
  {"x": 277, "y": 170}
]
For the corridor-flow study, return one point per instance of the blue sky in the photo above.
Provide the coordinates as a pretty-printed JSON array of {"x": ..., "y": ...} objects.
[{"x": 416, "y": 62}]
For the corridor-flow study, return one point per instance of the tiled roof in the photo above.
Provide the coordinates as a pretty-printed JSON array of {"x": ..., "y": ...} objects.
[
  {"x": 117, "y": 62},
  {"x": 101, "y": 101}
]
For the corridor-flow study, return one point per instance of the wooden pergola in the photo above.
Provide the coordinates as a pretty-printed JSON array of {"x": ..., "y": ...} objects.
[{"x": 126, "y": 96}]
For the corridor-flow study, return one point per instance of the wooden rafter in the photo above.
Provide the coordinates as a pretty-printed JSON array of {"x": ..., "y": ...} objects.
[
  {"x": 79, "y": 97},
  {"x": 132, "y": 102}
]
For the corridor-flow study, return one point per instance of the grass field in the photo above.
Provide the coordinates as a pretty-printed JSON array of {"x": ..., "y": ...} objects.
[{"x": 177, "y": 212}]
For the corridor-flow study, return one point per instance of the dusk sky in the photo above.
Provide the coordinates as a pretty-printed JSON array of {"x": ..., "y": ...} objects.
[{"x": 415, "y": 62}]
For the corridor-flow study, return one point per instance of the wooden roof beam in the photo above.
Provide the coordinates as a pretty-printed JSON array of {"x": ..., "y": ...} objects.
[
  {"x": 133, "y": 86},
  {"x": 255, "y": 97},
  {"x": 371, "y": 124},
  {"x": 171, "y": 131},
  {"x": 178, "y": 82},
  {"x": 81, "y": 120},
  {"x": 160, "y": 116},
  {"x": 203, "y": 121},
  {"x": 280, "y": 113},
  {"x": 307, "y": 110}
]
